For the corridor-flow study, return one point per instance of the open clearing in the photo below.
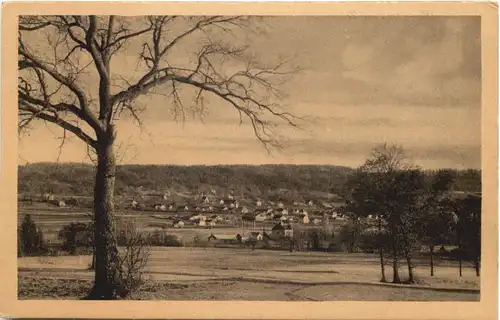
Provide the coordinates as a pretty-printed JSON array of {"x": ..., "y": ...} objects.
[{"x": 242, "y": 274}]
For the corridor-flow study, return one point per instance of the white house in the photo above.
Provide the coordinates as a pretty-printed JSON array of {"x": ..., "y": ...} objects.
[
  {"x": 221, "y": 202},
  {"x": 171, "y": 207},
  {"x": 186, "y": 208},
  {"x": 165, "y": 196},
  {"x": 305, "y": 219},
  {"x": 134, "y": 204},
  {"x": 236, "y": 204},
  {"x": 316, "y": 221},
  {"x": 370, "y": 216},
  {"x": 230, "y": 197},
  {"x": 203, "y": 210},
  {"x": 206, "y": 200},
  {"x": 225, "y": 208},
  {"x": 198, "y": 217},
  {"x": 334, "y": 215},
  {"x": 210, "y": 209},
  {"x": 202, "y": 223},
  {"x": 232, "y": 206},
  {"x": 284, "y": 212},
  {"x": 179, "y": 224},
  {"x": 310, "y": 203},
  {"x": 259, "y": 203},
  {"x": 261, "y": 217},
  {"x": 244, "y": 210},
  {"x": 212, "y": 223},
  {"x": 281, "y": 205}
]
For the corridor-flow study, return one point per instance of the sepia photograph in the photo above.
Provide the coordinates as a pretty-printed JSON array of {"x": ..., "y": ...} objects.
[{"x": 256, "y": 157}]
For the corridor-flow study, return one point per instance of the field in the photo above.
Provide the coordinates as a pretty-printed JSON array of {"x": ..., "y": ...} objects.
[
  {"x": 189, "y": 273},
  {"x": 239, "y": 274}
]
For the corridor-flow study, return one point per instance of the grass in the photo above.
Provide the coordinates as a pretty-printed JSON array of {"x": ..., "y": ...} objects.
[{"x": 239, "y": 274}]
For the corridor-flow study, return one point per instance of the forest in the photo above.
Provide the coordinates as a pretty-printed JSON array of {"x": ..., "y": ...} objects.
[{"x": 245, "y": 180}]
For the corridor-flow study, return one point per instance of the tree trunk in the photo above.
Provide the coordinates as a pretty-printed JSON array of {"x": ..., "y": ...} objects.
[
  {"x": 411, "y": 278},
  {"x": 106, "y": 283},
  {"x": 382, "y": 266},
  {"x": 431, "y": 250},
  {"x": 477, "y": 264},
  {"x": 460, "y": 266}
]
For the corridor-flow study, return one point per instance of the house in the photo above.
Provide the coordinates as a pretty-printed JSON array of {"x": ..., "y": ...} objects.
[
  {"x": 58, "y": 203},
  {"x": 278, "y": 231},
  {"x": 211, "y": 223},
  {"x": 163, "y": 207},
  {"x": 212, "y": 191},
  {"x": 335, "y": 215},
  {"x": 281, "y": 205},
  {"x": 178, "y": 224},
  {"x": 230, "y": 197},
  {"x": 171, "y": 207},
  {"x": 225, "y": 208},
  {"x": 288, "y": 232},
  {"x": 305, "y": 219},
  {"x": 261, "y": 217},
  {"x": 197, "y": 208},
  {"x": 310, "y": 203},
  {"x": 221, "y": 202},
  {"x": 186, "y": 208},
  {"x": 244, "y": 210},
  {"x": 134, "y": 204},
  {"x": 197, "y": 217},
  {"x": 256, "y": 235},
  {"x": 316, "y": 221},
  {"x": 370, "y": 217},
  {"x": 203, "y": 209},
  {"x": 165, "y": 196},
  {"x": 202, "y": 223},
  {"x": 48, "y": 197},
  {"x": 210, "y": 209},
  {"x": 205, "y": 199},
  {"x": 259, "y": 203}
]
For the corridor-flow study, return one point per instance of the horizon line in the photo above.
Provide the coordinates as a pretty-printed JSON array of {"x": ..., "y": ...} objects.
[{"x": 233, "y": 164}]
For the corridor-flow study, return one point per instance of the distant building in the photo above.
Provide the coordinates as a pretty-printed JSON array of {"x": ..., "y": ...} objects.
[
  {"x": 259, "y": 203},
  {"x": 305, "y": 219},
  {"x": 179, "y": 224}
]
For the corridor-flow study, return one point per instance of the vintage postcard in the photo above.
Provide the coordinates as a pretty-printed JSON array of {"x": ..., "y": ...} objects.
[{"x": 249, "y": 160}]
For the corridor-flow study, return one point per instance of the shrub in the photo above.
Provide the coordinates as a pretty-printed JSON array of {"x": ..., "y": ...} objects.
[
  {"x": 30, "y": 238},
  {"x": 133, "y": 256},
  {"x": 161, "y": 238},
  {"x": 76, "y": 238}
]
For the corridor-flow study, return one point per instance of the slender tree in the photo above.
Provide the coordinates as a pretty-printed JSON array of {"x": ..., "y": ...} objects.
[{"x": 67, "y": 78}]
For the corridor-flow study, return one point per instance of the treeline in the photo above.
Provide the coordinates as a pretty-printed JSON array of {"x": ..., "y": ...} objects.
[
  {"x": 413, "y": 209},
  {"x": 78, "y": 179}
]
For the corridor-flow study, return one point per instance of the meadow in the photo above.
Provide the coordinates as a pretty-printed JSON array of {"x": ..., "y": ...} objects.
[{"x": 242, "y": 274}]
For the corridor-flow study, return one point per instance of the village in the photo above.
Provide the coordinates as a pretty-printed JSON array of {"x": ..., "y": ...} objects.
[{"x": 223, "y": 220}]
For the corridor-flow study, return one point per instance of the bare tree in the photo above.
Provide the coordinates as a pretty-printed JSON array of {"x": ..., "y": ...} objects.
[{"x": 60, "y": 55}]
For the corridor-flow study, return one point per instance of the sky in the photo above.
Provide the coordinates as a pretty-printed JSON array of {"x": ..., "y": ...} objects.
[{"x": 363, "y": 81}]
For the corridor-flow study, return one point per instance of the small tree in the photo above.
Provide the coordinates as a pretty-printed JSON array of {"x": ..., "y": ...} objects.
[
  {"x": 31, "y": 238},
  {"x": 76, "y": 236}
]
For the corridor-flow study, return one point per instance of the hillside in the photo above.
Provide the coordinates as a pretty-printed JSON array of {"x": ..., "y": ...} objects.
[{"x": 245, "y": 180}]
